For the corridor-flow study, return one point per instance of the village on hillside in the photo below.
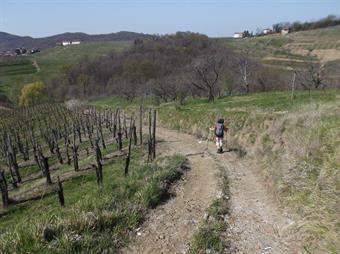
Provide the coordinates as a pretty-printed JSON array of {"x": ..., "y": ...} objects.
[
  {"x": 23, "y": 51},
  {"x": 284, "y": 28},
  {"x": 266, "y": 31}
]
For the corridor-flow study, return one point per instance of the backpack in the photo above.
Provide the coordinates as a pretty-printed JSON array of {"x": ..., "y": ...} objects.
[{"x": 219, "y": 130}]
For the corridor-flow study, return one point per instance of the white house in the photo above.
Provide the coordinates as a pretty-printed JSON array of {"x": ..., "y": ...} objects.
[
  {"x": 238, "y": 35},
  {"x": 285, "y": 31},
  {"x": 267, "y": 31},
  {"x": 66, "y": 43}
]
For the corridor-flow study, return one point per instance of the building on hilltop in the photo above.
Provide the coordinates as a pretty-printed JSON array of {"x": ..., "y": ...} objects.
[
  {"x": 66, "y": 43},
  {"x": 238, "y": 35},
  {"x": 285, "y": 30},
  {"x": 267, "y": 31},
  {"x": 20, "y": 51}
]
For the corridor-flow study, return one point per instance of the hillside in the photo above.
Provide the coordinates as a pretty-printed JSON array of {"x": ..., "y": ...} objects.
[
  {"x": 10, "y": 42},
  {"x": 48, "y": 63},
  {"x": 292, "y": 50},
  {"x": 277, "y": 52}
]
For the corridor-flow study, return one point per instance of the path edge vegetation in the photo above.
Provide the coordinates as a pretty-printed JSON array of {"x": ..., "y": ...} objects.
[{"x": 212, "y": 235}]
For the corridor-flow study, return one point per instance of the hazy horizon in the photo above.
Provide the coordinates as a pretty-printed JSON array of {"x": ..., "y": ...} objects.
[{"x": 38, "y": 18}]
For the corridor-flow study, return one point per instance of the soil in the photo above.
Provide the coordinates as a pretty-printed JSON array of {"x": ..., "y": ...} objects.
[
  {"x": 257, "y": 223},
  {"x": 169, "y": 227}
]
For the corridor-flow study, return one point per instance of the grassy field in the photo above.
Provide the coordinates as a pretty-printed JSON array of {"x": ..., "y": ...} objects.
[
  {"x": 294, "y": 142},
  {"x": 48, "y": 63},
  {"x": 16, "y": 68}
]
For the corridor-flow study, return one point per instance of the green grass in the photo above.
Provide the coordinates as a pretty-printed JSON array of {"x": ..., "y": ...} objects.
[
  {"x": 330, "y": 33},
  {"x": 284, "y": 64},
  {"x": 211, "y": 234},
  {"x": 17, "y": 69},
  {"x": 50, "y": 62},
  {"x": 95, "y": 218},
  {"x": 269, "y": 100}
]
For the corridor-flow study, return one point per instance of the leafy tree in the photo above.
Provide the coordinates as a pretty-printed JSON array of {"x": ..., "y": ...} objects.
[{"x": 32, "y": 94}]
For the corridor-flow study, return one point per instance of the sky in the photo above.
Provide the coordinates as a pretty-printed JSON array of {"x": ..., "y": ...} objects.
[{"x": 40, "y": 18}]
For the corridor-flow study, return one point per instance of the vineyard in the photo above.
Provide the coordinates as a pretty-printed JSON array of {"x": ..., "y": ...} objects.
[{"x": 67, "y": 171}]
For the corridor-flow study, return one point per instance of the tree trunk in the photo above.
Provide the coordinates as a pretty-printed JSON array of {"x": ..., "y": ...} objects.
[
  {"x": 293, "y": 86},
  {"x": 211, "y": 97}
]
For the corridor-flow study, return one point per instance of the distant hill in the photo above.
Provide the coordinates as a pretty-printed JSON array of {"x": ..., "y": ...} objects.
[{"x": 10, "y": 42}]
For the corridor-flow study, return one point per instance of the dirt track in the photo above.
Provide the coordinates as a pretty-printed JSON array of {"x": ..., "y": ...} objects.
[{"x": 256, "y": 224}]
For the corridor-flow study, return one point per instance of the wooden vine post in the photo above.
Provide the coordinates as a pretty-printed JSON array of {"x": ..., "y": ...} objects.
[
  {"x": 68, "y": 154},
  {"x": 141, "y": 126},
  {"x": 12, "y": 159},
  {"x": 119, "y": 134},
  {"x": 134, "y": 129},
  {"x": 154, "y": 135},
  {"x": 46, "y": 169},
  {"x": 99, "y": 166},
  {"x": 60, "y": 192},
  {"x": 75, "y": 155},
  {"x": 57, "y": 150},
  {"x": 150, "y": 137},
  {"x": 128, "y": 156},
  {"x": 3, "y": 189}
]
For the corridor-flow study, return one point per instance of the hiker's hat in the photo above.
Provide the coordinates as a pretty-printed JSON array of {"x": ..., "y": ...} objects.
[{"x": 221, "y": 120}]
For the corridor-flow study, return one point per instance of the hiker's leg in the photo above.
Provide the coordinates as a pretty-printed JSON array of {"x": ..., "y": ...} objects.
[
  {"x": 221, "y": 144},
  {"x": 218, "y": 144}
]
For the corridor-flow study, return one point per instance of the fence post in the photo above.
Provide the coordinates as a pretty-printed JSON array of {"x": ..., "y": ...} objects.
[
  {"x": 61, "y": 193},
  {"x": 128, "y": 156},
  {"x": 154, "y": 135}
]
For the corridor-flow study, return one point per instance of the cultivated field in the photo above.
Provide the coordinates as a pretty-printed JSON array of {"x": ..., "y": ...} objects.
[{"x": 277, "y": 50}]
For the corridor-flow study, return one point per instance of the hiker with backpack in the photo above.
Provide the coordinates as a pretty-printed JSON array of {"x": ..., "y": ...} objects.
[{"x": 219, "y": 129}]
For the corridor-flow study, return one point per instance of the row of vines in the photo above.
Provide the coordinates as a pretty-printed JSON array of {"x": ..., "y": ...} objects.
[{"x": 36, "y": 143}]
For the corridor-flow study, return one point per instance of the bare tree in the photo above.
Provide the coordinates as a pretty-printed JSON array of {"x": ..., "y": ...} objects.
[
  {"x": 244, "y": 67},
  {"x": 207, "y": 73},
  {"x": 311, "y": 77}
]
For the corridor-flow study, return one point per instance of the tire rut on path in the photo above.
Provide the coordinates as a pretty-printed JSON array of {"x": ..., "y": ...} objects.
[
  {"x": 256, "y": 222},
  {"x": 169, "y": 227}
]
